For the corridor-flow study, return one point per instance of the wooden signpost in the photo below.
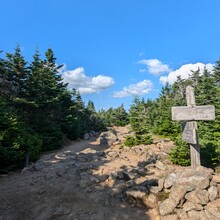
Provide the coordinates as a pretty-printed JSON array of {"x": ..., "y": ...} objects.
[{"x": 192, "y": 113}]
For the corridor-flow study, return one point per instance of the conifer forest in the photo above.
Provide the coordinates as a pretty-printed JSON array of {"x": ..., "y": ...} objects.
[{"x": 38, "y": 112}]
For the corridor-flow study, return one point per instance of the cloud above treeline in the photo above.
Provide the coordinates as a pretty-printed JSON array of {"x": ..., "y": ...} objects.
[
  {"x": 154, "y": 66},
  {"x": 84, "y": 84},
  {"x": 185, "y": 71},
  {"x": 140, "y": 88},
  {"x": 87, "y": 85}
]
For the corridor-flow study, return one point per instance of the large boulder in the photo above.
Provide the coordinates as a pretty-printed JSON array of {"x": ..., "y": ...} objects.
[
  {"x": 194, "y": 178},
  {"x": 107, "y": 138}
]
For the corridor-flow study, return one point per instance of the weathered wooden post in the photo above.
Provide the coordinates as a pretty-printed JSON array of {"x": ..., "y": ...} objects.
[{"x": 192, "y": 113}]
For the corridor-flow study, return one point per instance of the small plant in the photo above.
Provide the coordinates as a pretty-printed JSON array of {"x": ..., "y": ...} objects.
[
  {"x": 161, "y": 196},
  {"x": 121, "y": 147},
  {"x": 130, "y": 141}
]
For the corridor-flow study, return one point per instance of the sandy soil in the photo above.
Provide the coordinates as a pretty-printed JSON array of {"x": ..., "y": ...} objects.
[{"x": 76, "y": 183}]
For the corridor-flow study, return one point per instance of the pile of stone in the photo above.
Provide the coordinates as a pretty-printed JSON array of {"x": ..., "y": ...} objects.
[
  {"x": 193, "y": 194},
  {"x": 91, "y": 135}
]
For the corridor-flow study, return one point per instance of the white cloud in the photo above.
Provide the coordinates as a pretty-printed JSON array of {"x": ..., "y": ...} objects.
[
  {"x": 86, "y": 85},
  {"x": 185, "y": 71},
  {"x": 141, "y": 88},
  {"x": 155, "y": 66}
]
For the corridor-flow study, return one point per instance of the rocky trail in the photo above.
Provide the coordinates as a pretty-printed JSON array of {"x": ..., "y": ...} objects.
[{"x": 98, "y": 179}]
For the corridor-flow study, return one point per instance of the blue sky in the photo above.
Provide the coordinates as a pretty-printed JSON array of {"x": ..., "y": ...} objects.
[{"x": 114, "y": 49}]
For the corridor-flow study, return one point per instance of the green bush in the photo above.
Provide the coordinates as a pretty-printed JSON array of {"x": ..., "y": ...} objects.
[
  {"x": 180, "y": 155},
  {"x": 130, "y": 141}
]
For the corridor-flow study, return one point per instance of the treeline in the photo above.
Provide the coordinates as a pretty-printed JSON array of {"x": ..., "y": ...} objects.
[
  {"x": 154, "y": 116},
  {"x": 37, "y": 111}
]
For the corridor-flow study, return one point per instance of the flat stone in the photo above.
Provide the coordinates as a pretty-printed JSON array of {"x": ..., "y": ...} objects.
[
  {"x": 198, "y": 196},
  {"x": 169, "y": 181},
  {"x": 194, "y": 178},
  {"x": 216, "y": 178},
  {"x": 188, "y": 206},
  {"x": 214, "y": 208},
  {"x": 160, "y": 165},
  {"x": 167, "y": 206},
  {"x": 137, "y": 192},
  {"x": 177, "y": 194},
  {"x": 169, "y": 217},
  {"x": 213, "y": 193},
  {"x": 182, "y": 214},
  {"x": 197, "y": 215}
]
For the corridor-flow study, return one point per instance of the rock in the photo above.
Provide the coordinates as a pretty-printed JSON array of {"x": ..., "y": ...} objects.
[
  {"x": 86, "y": 136},
  {"x": 84, "y": 183},
  {"x": 169, "y": 217},
  {"x": 118, "y": 188},
  {"x": 160, "y": 165},
  {"x": 167, "y": 206},
  {"x": 94, "y": 179},
  {"x": 177, "y": 194},
  {"x": 213, "y": 208},
  {"x": 150, "y": 200},
  {"x": 103, "y": 177},
  {"x": 84, "y": 176},
  {"x": 194, "y": 178},
  {"x": 39, "y": 166},
  {"x": 107, "y": 138},
  {"x": 123, "y": 176},
  {"x": 182, "y": 214},
  {"x": 197, "y": 215},
  {"x": 27, "y": 169},
  {"x": 169, "y": 181},
  {"x": 213, "y": 193},
  {"x": 130, "y": 183},
  {"x": 188, "y": 206},
  {"x": 160, "y": 184},
  {"x": 166, "y": 140},
  {"x": 137, "y": 192},
  {"x": 216, "y": 178},
  {"x": 198, "y": 196},
  {"x": 175, "y": 198},
  {"x": 112, "y": 154},
  {"x": 61, "y": 211}
]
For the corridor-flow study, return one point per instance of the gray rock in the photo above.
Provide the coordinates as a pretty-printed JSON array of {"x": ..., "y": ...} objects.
[
  {"x": 38, "y": 166},
  {"x": 216, "y": 178},
  {"x": 94, "y": 179},
  {"x": 137, "y": 192},
  {"x": 182, "y": 214},
  {"x": 169, "y": 217},
  {"x": 213, "y": 193},
  {"x": 198, "y": 215},
  {"x": 177, "y": 194},
  {"x": 130, "y": 183},
  {"x": 107, "y": 138},
  {"x": 198, "y": 196},
  {"x": 112, "y": 154},
  {"x": 169, "y": 181},
  {"x": 84, "y": 183},
  {"x": 150, "y": 200},
  {"x": 160, "y": 165},
  {"x": 188, "y": 206},
  {"x": 103, "y": 177},
  {"x": 123, "y": 175},
  {"x": 213, "y": 208},
  {"x": 61, "y": 211},
  {"x": 194, "y": 178},
  {"x": 86, "y": 136},
  {"x": 167, "y": 206}
]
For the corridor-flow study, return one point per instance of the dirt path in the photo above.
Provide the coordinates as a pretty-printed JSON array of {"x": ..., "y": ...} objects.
[{"x": 82, "y": 181}]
